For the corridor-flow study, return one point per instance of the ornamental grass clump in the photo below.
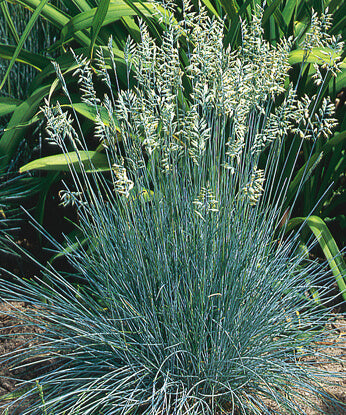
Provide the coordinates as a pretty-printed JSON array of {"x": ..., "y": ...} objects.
[{"x": 187, "y": 298}]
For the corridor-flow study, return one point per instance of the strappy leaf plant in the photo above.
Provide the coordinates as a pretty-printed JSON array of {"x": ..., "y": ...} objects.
[
  {"x": 191, "y": 299},
  {"x": 24, "y": 122}
]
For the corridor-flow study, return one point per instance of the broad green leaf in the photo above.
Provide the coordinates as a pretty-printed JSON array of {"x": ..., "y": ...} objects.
[
  {"x": 49, "y": 12},
  {"x": 210, "y": 7},
  {"x": 67, "y": 64},
  {"x": 304, "y": 170},
  {"x": 288, "y": 11},
  {"x": 8, "y": 105},
  {"x": 317, "y": 55},
  {"x": 81, "y": 5},
  {"x": 92, "y": 161},
  {"x": 23, "y": 38},
  {"x": 56, "y": 17},
  {"x": 35, "y": 60},
  {"x": 24, "y": 112},
  {"x": 273, "y": 10},
  {"x": 231, "y": 8},
  {"x": 90, "y": 112},
  {"x": 97, "y": 22},
  {"x": 132, "y": 28},
  {"x": 328, "y": 245},
  {"x": 235, "y": 24},
  {"x": 116, "y": 10}
]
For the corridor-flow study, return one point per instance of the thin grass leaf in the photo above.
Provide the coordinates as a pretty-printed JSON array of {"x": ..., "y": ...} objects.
[{"x": 188, "y": 303}]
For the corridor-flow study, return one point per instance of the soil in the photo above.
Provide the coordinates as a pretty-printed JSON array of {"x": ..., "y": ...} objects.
[{"x": 17, "y": 338}]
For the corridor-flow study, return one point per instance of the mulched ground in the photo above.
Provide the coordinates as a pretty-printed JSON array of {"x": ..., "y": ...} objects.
[{"x": 16, "y": 338}]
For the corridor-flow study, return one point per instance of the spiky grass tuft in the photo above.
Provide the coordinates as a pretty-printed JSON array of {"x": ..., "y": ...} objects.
[{"x": 190, "y": 300}]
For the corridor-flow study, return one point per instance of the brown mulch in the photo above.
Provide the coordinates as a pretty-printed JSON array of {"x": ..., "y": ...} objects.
[{"x": 17, "y": 337}]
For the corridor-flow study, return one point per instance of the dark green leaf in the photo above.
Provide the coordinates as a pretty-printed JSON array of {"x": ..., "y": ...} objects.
[
  {"x": 8, "y": 105},
  {"x": 91, "y": 160}
]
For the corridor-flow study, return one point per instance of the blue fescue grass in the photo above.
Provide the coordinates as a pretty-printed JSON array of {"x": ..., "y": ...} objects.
[
  {"x": 177, "y": 313},
  {"x": 188, "y": 298}
]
